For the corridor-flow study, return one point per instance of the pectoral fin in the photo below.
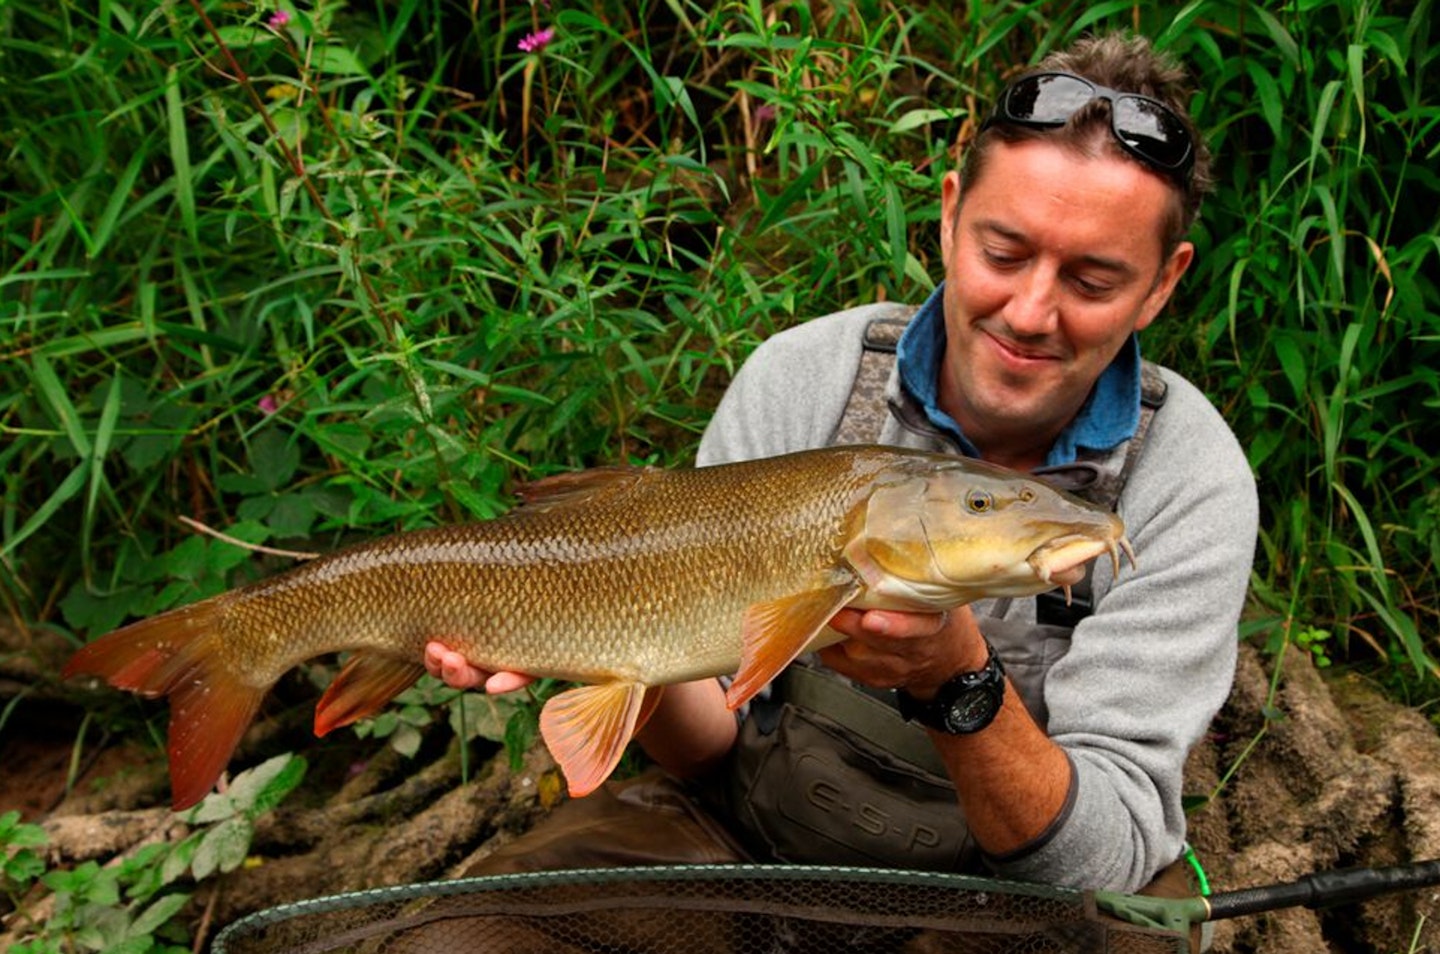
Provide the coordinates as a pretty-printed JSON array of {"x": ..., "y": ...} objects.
[
  {"x": 364, "y": 687},
  {"x": 587, "y": 728},
  {"x": 777, "y": 631}
]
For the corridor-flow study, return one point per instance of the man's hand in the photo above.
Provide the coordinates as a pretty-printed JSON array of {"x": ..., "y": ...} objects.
[
  {"x": 917, "y": 651},
  {"x": 455, "y": 671}
]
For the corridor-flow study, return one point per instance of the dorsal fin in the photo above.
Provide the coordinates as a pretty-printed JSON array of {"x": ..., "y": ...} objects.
[{"x": 561, "y": 490}]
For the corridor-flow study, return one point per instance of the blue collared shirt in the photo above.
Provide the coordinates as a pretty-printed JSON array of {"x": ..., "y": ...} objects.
[{"x": 1109, "y": 416}]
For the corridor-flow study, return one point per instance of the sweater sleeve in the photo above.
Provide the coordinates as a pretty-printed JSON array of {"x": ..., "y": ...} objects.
[
  {"x": 790, "y": 394},
  {"x": 1148, "y": 670}
]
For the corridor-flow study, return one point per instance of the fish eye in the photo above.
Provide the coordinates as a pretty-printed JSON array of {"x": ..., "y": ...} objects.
[
  {"x": 1027, "y": 495},
  {"x": 978, "y": 501}
]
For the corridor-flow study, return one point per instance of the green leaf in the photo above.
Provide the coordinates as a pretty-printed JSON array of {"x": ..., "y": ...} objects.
[
  {"x": 405, "y": 739},
  {"x": 520, "y": 731},
  {"x": 180, "y": 153},
  {"x": 339, "y": 61},
  {"x": 1268, "y": 91},
  {"x": 1294, "y": 364},
  {"x": 73, "y": 483},
  {"x": 915, "y": 118},
  {"x": 58, "y": 399},
  {"x": 119, "y": 199},
  {"x": 180, "y": 858},
  {"x": 17, "y": 834},
  {"x": 779, "y": 207},
  {"x": 154, "y": 917},
  {"x": 223, "y": 848},
  {"x": 274, "y": 458},
  {"x": 255, "y": 789},
  {"x": 279, "y": 785},
  {"x": 23, "y": 867},
  {"x": 1281, "y": 37}
]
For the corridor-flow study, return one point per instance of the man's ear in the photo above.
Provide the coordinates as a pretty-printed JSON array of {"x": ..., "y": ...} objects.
[
  {"x": 949, "y": 211},
  {"x": 1165, "y": 282}
]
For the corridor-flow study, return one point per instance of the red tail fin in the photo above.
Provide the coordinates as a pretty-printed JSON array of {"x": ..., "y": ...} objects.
[{"x": 175, "y": 654}]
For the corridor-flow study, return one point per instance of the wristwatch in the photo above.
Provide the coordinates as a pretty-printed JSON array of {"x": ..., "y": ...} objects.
[{"x": 966, "y": 703}]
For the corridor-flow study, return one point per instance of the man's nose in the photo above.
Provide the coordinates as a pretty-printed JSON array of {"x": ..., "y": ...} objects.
[{"x": 1034, "y": 307}]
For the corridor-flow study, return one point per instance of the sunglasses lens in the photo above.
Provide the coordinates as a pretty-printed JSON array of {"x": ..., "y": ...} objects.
[
  {"x": 1151, "y": 130},
  {"x": 1047, "y": 99}
]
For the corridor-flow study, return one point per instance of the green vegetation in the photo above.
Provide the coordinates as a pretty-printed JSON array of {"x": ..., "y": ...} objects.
[
  {"x": 130, "y": 907},
  {"x": 361, "y": 270}
]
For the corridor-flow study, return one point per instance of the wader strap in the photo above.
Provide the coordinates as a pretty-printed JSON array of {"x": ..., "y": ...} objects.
[
  {"x": 1152, "y": 398},
  {"x": 877, "y": 721},
  {"x": 866, "y": 411}
]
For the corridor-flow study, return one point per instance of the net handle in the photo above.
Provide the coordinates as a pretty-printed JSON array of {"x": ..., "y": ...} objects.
[{"x": 1325, "y": 888}]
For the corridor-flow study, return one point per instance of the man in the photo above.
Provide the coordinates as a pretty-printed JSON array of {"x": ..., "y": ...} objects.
[{"x": 1063, "y": 234}]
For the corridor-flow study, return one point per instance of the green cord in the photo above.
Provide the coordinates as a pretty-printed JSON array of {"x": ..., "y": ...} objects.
[{"x": 1200, "y": 877}]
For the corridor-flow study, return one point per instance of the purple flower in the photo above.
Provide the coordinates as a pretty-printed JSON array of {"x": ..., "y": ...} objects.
[
  {"x": 268, "y": 405},
  {"x": 535, "y": 42},
  {"x": 278, "y": 19}
]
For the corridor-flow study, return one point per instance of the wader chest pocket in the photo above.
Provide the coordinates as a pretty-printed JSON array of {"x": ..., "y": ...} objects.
[{"x": 814, "y": 792}]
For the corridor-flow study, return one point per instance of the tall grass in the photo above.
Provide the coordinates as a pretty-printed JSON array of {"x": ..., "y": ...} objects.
[
  {"x": 362, "y": 270},
  {"x": 1313, "y": 316}
]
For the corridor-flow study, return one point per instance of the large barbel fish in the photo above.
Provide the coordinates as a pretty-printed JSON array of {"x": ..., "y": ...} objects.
[{"x": 623, "y": 579}]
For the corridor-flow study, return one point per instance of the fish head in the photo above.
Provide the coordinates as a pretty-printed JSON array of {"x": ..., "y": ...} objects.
[{"x": 957, "y": 530}]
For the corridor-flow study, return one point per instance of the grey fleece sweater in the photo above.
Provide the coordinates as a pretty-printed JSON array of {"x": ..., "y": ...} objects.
[{"x": 1131, "y": 689}]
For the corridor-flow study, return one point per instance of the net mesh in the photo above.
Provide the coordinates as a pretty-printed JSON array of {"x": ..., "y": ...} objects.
[{"x": 740, "y": 909}]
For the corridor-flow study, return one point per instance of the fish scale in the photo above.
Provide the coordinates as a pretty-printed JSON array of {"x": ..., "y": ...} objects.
[{"x": 621, "y": 579}]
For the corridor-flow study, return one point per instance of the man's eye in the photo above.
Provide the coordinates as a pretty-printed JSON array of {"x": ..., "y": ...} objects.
[{"x": 1091, "y": 289}]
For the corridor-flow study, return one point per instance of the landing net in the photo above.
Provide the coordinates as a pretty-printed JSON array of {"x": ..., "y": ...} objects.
[{"x": 728, "y": 909}]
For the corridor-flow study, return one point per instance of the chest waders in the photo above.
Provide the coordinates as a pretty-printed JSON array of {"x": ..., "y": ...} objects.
[{"x": 828, "y": 769}]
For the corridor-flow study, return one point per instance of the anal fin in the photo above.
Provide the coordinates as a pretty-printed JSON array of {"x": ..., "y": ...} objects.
[
  {"x": 776, "y": 631},
  {"x": 587, "y": 728},
  {"x": 365, "y": 686}
]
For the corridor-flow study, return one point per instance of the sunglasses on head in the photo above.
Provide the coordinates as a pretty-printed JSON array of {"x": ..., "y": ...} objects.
[{"x": 1147, "y": 129}]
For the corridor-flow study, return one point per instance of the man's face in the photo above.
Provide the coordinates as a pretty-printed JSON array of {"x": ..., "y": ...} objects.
[{"x": 1053, "y": 260}]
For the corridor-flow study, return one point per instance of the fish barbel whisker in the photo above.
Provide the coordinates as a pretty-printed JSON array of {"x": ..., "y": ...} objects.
[{"x": 1115, "y": 547}]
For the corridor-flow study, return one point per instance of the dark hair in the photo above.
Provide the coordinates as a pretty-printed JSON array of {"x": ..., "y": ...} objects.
[{"x": 1122, "y": 62}]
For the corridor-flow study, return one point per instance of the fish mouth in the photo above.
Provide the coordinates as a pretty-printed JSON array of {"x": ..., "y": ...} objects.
[{"x": 1062, "y": 561}]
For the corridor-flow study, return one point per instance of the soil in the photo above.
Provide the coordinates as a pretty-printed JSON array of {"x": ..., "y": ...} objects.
[{"x": 1324, "y": 774}]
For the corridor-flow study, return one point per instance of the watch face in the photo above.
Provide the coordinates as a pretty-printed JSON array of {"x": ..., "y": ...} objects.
[{"x": 970, "y": 710}]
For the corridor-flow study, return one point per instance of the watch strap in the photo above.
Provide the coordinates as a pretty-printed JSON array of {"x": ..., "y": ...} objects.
[{"x": 981, "y": 692}]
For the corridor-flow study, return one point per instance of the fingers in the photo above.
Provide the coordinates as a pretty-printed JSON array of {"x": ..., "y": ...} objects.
[
  {"x": 507, "y": 682},
  {"x": 888, "y": 649},
  {"x": 455, "y": 671},
  {"x": 452, "y": 668},
  {"x": 889, "y": 624}
]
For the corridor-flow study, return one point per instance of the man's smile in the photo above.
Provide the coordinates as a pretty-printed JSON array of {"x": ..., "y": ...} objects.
[{"x": 1014, "y": 354}]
